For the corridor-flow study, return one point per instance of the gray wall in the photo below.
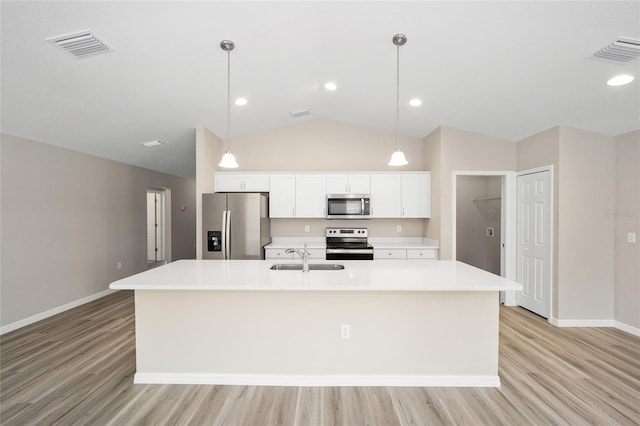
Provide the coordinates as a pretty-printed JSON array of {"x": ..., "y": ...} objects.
[
  {"x": 68, "y": 218},
  {"x": 473, "y": 246},
  {"x": 627, "y": 219}
]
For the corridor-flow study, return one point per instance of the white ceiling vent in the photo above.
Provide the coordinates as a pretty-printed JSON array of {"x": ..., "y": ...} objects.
[
  {"x": 81, "y": 44},
  {"x": 622, "y": 50},
  {"x": 300, "y": 113}
]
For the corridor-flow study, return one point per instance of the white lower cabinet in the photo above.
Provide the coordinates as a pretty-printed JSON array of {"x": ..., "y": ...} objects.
[
  {"x": 389, "y": 254},
  {"x": 409, "y": 254},
  {"x": 422, "y": 254},
  {"x": 279, "y": 253}
]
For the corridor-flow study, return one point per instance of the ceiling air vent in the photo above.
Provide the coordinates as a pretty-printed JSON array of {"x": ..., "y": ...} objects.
[
  {"x": 622, "y": 50},
  {"x": 81, "y": 44}
]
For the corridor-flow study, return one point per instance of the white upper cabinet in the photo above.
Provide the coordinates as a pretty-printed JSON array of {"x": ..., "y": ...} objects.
[
  {"x": 416, "y": 189},
  {"x": 241, "y": 182},
  {"x": 311, "y": 195},
  {"x": 282, "y": 195},
  {"x": 304, "y": 195},
  {"x": 386, "y": 195},
  {"x": 339, "y": 183}
]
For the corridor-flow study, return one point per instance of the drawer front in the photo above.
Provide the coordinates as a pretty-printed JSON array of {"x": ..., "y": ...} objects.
[
  {"x": 389, "y": 254},
  {"x": 422, "y": 254},
  {"x": 317, "y": 254},
  {"x": 277, "y": 254}
]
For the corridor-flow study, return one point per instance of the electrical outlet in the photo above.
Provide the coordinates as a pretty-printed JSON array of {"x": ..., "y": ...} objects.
[
  {"x": 399, "y": 228},
  {"x": 306, "y": 228},
  {"x": 345, "y": 331},
  {"x": 631, "y": 237},
  {"x": 119, "y": 265}
]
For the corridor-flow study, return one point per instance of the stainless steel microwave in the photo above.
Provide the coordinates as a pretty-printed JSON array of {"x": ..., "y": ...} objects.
[{"x": 348, "y": 206}]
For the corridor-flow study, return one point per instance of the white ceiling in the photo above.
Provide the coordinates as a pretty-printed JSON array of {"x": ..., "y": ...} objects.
[{"x": 506, "y": 69}]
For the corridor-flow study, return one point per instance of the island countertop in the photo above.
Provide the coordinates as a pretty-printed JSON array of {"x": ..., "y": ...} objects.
[{"x": 366, "y": 276}]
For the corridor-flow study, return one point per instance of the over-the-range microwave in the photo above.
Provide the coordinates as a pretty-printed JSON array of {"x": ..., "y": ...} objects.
[{"x": 348, "y": 206}]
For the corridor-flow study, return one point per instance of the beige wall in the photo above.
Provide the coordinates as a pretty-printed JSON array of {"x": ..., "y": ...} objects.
[
  {"x": 627, "y": 219},
  {"x": 586, "y": 233},
  {"x": 432, "y": 162},
  {"x": 208, "y": 147},
  {"x": 464, "y": 151},
  {"x": 323, "y": 145},
  {"x": 68, "y": 218}
]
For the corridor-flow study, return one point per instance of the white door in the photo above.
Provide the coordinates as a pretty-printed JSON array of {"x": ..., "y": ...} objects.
[
  {"x": 282, "y": 195},
  {"x": 534, "y": 242},
  {"x": 415, "y": 195},
  {"x": 386, "y": 195},
  {"x": 311, "y": 195}
]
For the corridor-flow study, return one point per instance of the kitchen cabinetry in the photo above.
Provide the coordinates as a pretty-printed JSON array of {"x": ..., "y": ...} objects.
[
  {"x": 297, "y": 195},
  {"x": 282, "y": 195},
  {"x": 241, "y": 182},
  {"x": 338, "y": 183},
  {"x": 400, "y": 195},
  {"x": 415, "y": 195},
  {"x": 409, "y": 254},
  {"x": 279, "y": 254},
  {"x": 386, "y": 195},
  {"x": 311, "y": 195}
]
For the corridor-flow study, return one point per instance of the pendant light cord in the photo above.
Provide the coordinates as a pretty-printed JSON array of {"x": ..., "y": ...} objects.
[
  {"x": 228, "y": 98},
  {"x": 398, "y": 96}
]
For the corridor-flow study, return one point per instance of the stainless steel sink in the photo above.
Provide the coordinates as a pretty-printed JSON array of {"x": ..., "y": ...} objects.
[{"x": 312, "y": 267}]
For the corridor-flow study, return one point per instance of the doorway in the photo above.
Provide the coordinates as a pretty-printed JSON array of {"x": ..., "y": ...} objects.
[
  {"x": 156, "y": 227},
  {"x": 534, "y": 255},
  {"x": 478, "y": 222},
  {"x": 495, "y": 215}
]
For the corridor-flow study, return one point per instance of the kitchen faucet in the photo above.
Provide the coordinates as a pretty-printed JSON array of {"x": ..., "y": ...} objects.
[{"x": 304, "y": 255}]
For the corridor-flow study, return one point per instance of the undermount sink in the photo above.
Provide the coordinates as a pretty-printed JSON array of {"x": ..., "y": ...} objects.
[{"x": 312, "y": 267}]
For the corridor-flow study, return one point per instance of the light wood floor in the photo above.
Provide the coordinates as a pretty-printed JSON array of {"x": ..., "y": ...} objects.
[{"x": 77, "y": 368}]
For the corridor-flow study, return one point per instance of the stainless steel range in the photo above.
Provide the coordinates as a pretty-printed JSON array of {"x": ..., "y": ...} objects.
[{"x": 348, "y": 244}]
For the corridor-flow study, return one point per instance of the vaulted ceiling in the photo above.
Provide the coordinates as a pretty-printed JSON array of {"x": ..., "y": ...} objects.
[{"x": 506, "y": 69}]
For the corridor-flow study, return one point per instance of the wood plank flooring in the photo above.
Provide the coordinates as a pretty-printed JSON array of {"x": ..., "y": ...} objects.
[{"x": 77, "y": 369}]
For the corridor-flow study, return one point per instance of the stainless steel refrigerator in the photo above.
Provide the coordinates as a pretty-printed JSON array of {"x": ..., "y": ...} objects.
[{"x": 235, "y": 225}]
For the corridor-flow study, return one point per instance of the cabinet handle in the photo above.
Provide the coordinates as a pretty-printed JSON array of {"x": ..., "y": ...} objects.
[
  {"x": 293, "y": 211},
  {"x": 403, "y": 211}
]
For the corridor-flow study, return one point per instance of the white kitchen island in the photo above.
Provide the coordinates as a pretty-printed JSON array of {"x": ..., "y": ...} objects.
[{"x": 409, "y": 323}]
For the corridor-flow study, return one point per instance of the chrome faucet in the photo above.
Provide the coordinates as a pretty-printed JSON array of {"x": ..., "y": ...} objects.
[{"x": 304, "y": 255}]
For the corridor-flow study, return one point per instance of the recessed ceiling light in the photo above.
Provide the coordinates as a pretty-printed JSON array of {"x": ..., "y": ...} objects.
[
  {"x": 620, "y": 80},
  {"x": 415, "y": 102},
  {"x": 330, "y": 85},
  {"x": 241, "y": 101},
  {"x": 151, "y": 144}
]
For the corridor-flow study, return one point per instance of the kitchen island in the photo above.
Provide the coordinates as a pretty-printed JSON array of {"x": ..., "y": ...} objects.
[{"x": 389, "y": 323}]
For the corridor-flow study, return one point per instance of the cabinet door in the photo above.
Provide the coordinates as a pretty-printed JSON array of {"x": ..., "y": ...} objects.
[
  {"x": 415, "y": 195},
  {"x": 282, "y": 195},
  {"x": 256, "y": 183},
  {"x": 311, "y": 195},
  {"x": 337, "y": 183},
  {"x": 360, "y": 184},
  {"x": 386, "y": 195},
  {"x": 228, "y": 182}
]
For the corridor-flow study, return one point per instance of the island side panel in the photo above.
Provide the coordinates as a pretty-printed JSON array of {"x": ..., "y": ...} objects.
[{"x": 192, "y": 333}]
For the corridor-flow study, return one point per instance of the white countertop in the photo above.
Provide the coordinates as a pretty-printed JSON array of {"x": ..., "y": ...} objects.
[{"x": 255, "y": 275}]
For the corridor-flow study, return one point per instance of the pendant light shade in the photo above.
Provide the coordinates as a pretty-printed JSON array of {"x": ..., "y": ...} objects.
[
  {"x": 228, "y": 160},
  {"x": 397, "y": 157}
]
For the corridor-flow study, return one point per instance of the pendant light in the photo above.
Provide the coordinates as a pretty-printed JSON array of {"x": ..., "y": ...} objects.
[
  {"x": 398, "y": 158},
  {"x": 228, "y": 160}
]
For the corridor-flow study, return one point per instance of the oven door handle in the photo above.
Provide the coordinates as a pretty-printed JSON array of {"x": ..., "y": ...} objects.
[{"x": 349, "y": 251}]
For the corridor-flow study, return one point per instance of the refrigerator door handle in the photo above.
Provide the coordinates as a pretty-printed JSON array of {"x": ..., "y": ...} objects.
[
  {"x": 224, "y": 234},
  {"x": 229, "y": 234}
]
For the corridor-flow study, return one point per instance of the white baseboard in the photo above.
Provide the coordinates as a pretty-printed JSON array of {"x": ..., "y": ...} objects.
[
  {"x": 628, "y": 328},
  {"x": 51, "y": 312},
  {"x": 583, "y": 323},
  {"x": 318, "y": 380}
]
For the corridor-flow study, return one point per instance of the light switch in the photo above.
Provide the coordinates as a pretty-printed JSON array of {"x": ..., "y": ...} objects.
[{"x": 631, "y": 237}]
